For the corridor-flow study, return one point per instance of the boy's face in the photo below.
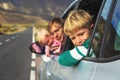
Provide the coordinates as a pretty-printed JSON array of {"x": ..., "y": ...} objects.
[{"x": 80, "y": 36}]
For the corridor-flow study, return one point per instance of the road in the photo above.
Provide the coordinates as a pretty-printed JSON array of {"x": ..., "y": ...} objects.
[{"x": 15, "y": 57}]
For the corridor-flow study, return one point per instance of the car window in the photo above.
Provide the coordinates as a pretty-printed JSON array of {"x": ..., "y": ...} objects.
[
  {"x": 91, "y": 6},
  {"x": 66, "y": 12},
  {"x": 116, "y": 26},
  {"x": 68, "y": 45},
  {"x": 111, "y": 45},
  {"x": 99, "y": 32}
]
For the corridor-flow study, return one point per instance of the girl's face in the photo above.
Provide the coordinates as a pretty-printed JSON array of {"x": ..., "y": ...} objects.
[
  {"x": 47, "y": 39},
  {"x": 80, "y": 36},
  {"x": 43, "y": 37}
]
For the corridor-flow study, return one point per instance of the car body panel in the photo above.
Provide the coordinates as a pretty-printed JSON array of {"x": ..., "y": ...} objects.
[
  {"x": 85, "y": 70},
  {"x": 107, "y": 71},
  {"x": 78, "y": 72}
]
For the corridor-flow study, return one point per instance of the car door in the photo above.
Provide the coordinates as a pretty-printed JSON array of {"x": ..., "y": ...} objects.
[{"x": 106, "y": 43}]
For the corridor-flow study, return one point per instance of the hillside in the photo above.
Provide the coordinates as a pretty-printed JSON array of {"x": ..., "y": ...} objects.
[{"x": 31, "y": 11}]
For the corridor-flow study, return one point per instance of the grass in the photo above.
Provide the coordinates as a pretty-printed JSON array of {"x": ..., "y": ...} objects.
[
  {"x": 15, "y": 28},
  {"x": 7, "y": 29}
]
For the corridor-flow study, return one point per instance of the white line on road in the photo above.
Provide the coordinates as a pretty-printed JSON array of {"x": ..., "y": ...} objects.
[
  {"x": 33, "y": 64},
  {"x": 7, "y": 40},
  {"x": 0, "y": 43},
  {"x": 13, "y": 37},
  {"x": 33, "y": 56},
  {"x": 32, "y": 73}
]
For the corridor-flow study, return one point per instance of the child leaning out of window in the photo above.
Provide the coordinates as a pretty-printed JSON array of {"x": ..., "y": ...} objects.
[{"x": 78, "y": 26}]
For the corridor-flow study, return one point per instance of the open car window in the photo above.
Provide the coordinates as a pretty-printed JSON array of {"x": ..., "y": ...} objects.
[{"x": 91, "y": 6}]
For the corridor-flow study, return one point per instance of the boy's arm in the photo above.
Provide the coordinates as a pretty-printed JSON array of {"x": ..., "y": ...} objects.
[{"x": 72, "y": 57}]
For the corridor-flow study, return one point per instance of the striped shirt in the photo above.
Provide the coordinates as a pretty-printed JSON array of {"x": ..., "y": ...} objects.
[{"x": 72, "y": 57}]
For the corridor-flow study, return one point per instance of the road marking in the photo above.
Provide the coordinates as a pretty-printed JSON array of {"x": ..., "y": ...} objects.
[
  {"x": 33, "y": 56},
  {"x": 7, "y": 40},
  {"x": 32, "y": 73},
  {"x": 0, "y": 43},
  {"x": 13, "y": 37},
  {"x": 33, "y": 64}
]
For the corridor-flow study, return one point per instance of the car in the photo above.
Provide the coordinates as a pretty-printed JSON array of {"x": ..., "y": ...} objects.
[{"x": 105, "y": 44}]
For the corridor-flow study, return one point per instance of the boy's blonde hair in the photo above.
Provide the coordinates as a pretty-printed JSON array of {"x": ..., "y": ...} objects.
[{"x": 76, "y": 20}]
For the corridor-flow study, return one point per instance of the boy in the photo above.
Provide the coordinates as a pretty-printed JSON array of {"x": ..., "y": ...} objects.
[{"x": 78, "y": 26}]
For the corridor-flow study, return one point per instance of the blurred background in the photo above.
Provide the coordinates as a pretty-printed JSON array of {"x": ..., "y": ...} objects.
[
  {"x": 15, "y": 14},
  {"x": 19, "y": 20}
]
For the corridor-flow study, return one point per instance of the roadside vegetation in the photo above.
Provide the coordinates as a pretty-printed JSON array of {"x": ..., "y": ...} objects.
[
  {"x": 6, "y": 29},
  {"x": 20, "y": 15}
]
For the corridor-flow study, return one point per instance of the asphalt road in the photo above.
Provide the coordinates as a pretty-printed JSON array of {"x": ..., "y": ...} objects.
[{"x": 15, "y": 57}]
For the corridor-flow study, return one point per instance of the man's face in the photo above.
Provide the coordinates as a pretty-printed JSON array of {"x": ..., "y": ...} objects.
[
  {"x": 57, "y": 31},
  {"x": 79, "y": 37}
]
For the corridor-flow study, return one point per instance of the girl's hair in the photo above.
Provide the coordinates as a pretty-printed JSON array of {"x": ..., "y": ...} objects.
[
  {"x": 40, "y": 33},
  {"x": 76, "y": 20}
]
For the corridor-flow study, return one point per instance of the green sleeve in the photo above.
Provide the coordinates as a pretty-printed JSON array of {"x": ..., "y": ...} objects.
[{"x": 66, "y": 59}]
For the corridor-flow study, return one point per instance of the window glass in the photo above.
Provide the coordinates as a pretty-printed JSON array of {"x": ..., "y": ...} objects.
[
  {"x": 116, "y": 18},
  {"x": 67, "y": 11},
  {"x": 112, "y": 40},
  {"x": 106, "y": 9},
  {"x": 99, "y": 32},
  {"x": 116, "y": 25}
]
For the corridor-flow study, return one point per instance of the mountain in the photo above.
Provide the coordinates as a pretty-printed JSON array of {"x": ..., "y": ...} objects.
[{"x": 31, "y": 11}]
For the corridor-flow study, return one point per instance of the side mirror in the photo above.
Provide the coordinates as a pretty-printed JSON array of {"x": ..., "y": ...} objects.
[{"x": 35, "y": 47}]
